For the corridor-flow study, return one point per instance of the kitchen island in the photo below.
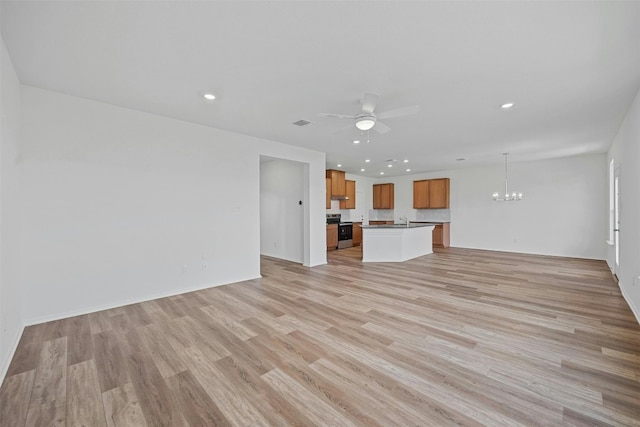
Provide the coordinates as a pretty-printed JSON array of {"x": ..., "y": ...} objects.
[{"x": 395, "y": 242}]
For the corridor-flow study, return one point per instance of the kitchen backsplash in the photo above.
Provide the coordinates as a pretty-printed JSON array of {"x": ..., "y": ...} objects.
[
  {"x": 381, "y": 215},
  {"x": 427, "y": 215},
  {"x": 435, "y": 215}
]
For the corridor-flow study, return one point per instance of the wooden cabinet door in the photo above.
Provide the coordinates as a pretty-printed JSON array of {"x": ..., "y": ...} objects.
[
  {"x": 350, "y": 203},
  {"x": 332, "y": 236},
  {"x": 383, "y": 196},
  {"x": 328, "y": 181},
  {"x": 337, "y": 183},
  {"x": 421, "y": 194},
  {"x": 440, "y": 235},
  {"x": 436, "y": 236},
  {"x": 439, "y": 193},
  {"x": 377, "y": 196},
  {"x": 357, "y": 234}
]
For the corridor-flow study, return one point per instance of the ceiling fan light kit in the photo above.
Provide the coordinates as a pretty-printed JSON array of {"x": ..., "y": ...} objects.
[
  {"x": 365, "y": 122},
  {"x": 368, "y": 119}
]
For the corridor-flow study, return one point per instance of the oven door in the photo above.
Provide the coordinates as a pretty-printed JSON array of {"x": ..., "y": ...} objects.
[{"x": 345, "y": 236}]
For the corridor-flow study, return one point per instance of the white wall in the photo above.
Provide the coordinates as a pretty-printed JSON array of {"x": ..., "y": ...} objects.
[
  {"x": 11, "y": 323},
  {"x": 563, "y": 213},
  {"x": 122, "y": 206},
  {"x": 281, "y": 214},
  {"x": 625, "y": 151}
]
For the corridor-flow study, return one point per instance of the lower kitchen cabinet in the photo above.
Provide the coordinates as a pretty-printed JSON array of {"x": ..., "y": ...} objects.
[
  {"x": 332, "y": 236},
  {"x": 440, "y": 235},
  {"x": 357, "y": 234}
]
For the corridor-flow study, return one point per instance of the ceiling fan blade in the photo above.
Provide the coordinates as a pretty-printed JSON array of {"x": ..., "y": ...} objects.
[
  {"x": 398, "y": 112},
  {"x": 369, "y": 102},
  {"x": 336, "y": 116},
  {"x": 381, "y": 127}
]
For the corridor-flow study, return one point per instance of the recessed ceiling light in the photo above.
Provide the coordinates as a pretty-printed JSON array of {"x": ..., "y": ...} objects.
[
  {"x": 367, "y": 161},
  {"x": 408, "y": 170},
  {"x": 209, "y": 96},
  {"x": 381, "y": 173},
  {"x": 357, "y": 141},
  {"x": 406, "y": 161},
  {"x": 339, "y": 165},
  {"x": 389, "y": 166},
  {"x": 507, "y": 105},
  {"x": 362, "y": 170}
]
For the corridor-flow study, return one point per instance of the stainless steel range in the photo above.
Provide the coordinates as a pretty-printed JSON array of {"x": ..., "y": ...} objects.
[{"x": 345, "y": 230}]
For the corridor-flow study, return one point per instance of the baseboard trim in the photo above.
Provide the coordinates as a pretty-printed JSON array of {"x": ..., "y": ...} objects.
[
  {"x": 633, "y": 308},
  {"x": 94, "y": 309},
  {"x": 7, "y": 362}
]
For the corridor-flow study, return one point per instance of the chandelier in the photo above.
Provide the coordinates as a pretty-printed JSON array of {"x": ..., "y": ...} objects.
[{"x": 513, "y": 197}]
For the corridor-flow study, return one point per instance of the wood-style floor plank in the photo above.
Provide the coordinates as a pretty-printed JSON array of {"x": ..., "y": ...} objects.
[
  {"x": 459, "y": 337},
  {"x": 15, "y": 396},
  {"x": 122, "y": 408},
  {"x": 84, "y": 400}
]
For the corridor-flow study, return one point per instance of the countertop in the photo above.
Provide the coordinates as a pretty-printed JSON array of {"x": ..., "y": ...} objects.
[{"x": 411, "y": 225}]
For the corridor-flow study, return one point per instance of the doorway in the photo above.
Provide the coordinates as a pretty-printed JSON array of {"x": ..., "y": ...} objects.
[{"x": 282, "y": 214}]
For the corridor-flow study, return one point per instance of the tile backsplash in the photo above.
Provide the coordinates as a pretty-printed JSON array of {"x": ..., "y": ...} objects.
[
  {"x": 435, "y": 215},
  {"x": 381, "y": 214}
]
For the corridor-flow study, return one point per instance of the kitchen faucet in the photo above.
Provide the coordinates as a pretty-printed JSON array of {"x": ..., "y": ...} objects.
[{"x": 406, "y": 221}]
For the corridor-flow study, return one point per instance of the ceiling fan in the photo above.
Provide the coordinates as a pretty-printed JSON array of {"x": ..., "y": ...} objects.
[{"x": 368, "y": 119}]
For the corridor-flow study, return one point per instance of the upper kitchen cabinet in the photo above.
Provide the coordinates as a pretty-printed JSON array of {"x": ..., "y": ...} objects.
[
  {"x": 338, "y": 188},
  {"x": 431, "y": 194},
  {"x": 439, "y": 193},
  {"x": 350, "y": 202},
  {"x": 383, "y": 196},
  {"x": 421, "y": 194},
  {"x": 328, "y": 182}
]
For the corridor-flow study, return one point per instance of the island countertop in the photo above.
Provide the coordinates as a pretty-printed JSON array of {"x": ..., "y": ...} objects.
[
  {"x": 396, "y": 242},
  {"x": 411, "y": 225}
]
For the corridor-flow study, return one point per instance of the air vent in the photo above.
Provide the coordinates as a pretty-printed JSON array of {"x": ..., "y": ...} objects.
[{"x": 302, "y": 122}]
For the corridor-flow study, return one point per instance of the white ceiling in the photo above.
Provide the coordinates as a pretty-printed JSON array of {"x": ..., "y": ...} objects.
[{"x": 572, "y": 68}]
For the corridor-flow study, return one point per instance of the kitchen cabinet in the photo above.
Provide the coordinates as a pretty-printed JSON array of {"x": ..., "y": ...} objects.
[
  {"x": 421, "y": 194},
  {"x": 383, "y": 196},
  {"x": 439, "y": 193},
  {"x": 380, "y": 222},
  {"x": 357, "y": 234},
  {"x": 431, "y": 194},
  {"x": 338, "y": 188},
  {"x": 332, "y": 236},
  {"x": 328, "y": 185},
  {"x": 441, "y": 235},
  {"x": 350, "y": 203}
]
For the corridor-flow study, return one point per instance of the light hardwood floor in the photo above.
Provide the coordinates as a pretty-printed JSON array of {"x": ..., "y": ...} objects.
[{"x": 458, "y": 337}]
